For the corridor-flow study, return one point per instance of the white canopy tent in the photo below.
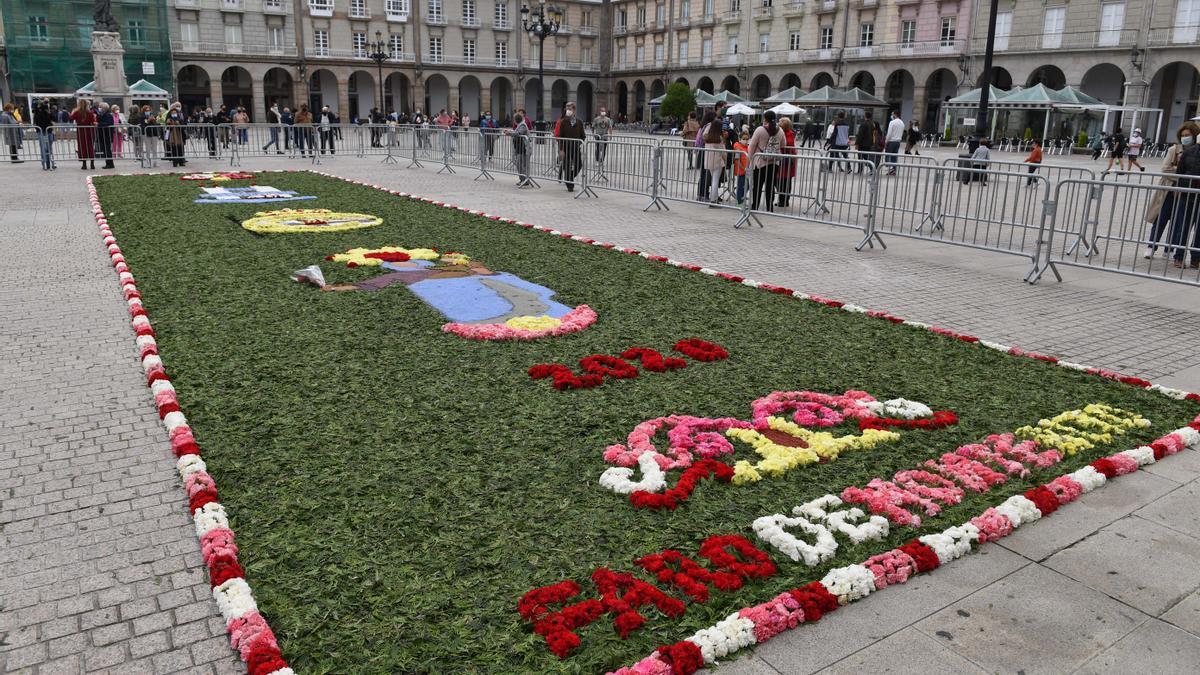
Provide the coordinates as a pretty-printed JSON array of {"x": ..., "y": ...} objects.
[
  {"x": 787, "y": 109},
  {"x": 740, "y": 109}
]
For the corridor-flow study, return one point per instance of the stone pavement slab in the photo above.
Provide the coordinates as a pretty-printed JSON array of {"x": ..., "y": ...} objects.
[
  {"x": 1034, "y": 620},
  {"x": 903, "y": 652},
  {"x": 1177, "y": 510},
  {"x": 1186, "y": 614},
  {"x": 1154, "y": 647}
]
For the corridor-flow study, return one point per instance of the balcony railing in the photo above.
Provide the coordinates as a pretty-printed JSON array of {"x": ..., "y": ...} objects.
[
  {"x": 235, "y": 48},
  {"x": 469, "y": 22},
  {"x": 588, "y": 30},
  {"x": 320, "y": 7},
  {"x": 763, "y": 13},
  {"x": 707, "y": 20},
  {"x": 620, "y": 29},
  {"x": 277, "y": 7},
  {"x": 436, "y": 19},
  {"x": 502, "y": 25},
  {"x": 818, "y": 54},
  {"x": 793, "y": 9},
  {"x": 825, "y": 6},
  {"x": 187, "y": 4},
  {"x": 397, "y": 16},
  {"x": 732, "y": 17},
  {"x": 232, "y": 6},
  {"x": 1083, "y": 40},
  {"x": 1176, "y": 36}
]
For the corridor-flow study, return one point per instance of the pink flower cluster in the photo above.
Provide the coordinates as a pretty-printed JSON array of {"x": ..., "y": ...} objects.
[
  {"x": 994, "y": 525},
  {"x": 891, "y": 568},
  {"x": 572, "y": 322},
  {"x": 783, "y": 612},
  {"x": 686, "y": 434},
  {"x": 812, "y": 408}
]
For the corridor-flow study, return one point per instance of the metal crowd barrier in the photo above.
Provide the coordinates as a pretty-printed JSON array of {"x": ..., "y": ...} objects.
[
  {"x": 1139, "y": 229},
  {"x": 685, "y": 173},
  {"x": 831, "y": 191},
  {"x": 624, "y": 164},
  {"x": 65, "y": 143}
]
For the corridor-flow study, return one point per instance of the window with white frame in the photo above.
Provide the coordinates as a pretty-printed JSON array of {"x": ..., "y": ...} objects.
[
  {"x": 397, "y": 9},
  {"x": 866, "y": 34},
  {"x": 275, "y": 37},
  {"x": 560, "y": 54},
  {"x": 706, "y": 50},
  {"x": 1003, "y": 30},
  {"x": 826, "y": 37},
  {"x": 1112, "y": 19},
  {"x": 469, "y": 51},
  {"x": 320, "y": 7},
  {"x": 585, "y": 18},
  {"x": 39, "y": 29},
  {"x": 435, "y": 50},
  {"x": 468, "y": 12},
  {"x": 640, "y": 55},
  {"x": 659, "y": 53},
  {"x": 396, "y": 46},
  {"x": 1187, "y": 21},
  {"x": 501, "y": 53},
  {"x": 764, "y": 43},
  {"x": 660, "y": 14},
  {"x": 358, "y": 9},
  {"x": 621, "y": 55},
  {"x": 641, "y": 16},
  {"x": 233, "y": 36},
  {"x": 137, "y": 32},
  {"x": 949, "y": 30},
  {"x": 709, "y": 7},
  {"x": 189, "y": 34},
  {"x": 535, "y": 51},
  {"x": 733, "y": 46},
  {"x": 501, "y": 15},
  {"x": 794, "y": 41},
  {"x": 683, "y": 52},
  {"x": 585, "y": 55},
  {"x": 359, "y": 42},
  {"x": 685, "y": 9},
  {"x": 908, "y": 33},
  {"x": 321, "y": 42},
  {"x": 1052, "y": 26},
  {"x": 622, "y": 19},
  {"x": 735, "y": 6},
  {"x": 435, "y": 11}
]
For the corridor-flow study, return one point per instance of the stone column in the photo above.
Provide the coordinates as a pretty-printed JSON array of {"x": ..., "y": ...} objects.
[
  {"x": 485, "y": 99},
  {"x": 452, "y": 102},
  {"x": 919, "y": 102},
  {"x": 214, "y": 92},
  {"x": 258, "y": 104},
  {"x": 343, "y": 99}
]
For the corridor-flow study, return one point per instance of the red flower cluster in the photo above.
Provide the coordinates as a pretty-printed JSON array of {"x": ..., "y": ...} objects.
[
  {"x": 389, "y": 256},
  {"x": 1045, "y": 500},
  {"x": 940, "y": 420},
  {"x": 557, "y": 627},
  {"x": 782, "y": 290},
  {"x": 701, "y": 350},
  {"x": 815, "y": 600},
  {"x": 921, "y": 554},
  {"x": 684, "y": 657},
  {"x": 604, "y": 365},
  {"x": 652, "y": 360},
  {"x": 563, "y": 378},
  {"x": 836, "y": 304},
  {"x": 622, "y": 593},
  {"x": 687, "y": 575},
  {"x": 1105, "y": 466},
  {"x": 683, "y": 489},
  {"x": 759, "y": 565},
  {"x": 731, "y": 277}
]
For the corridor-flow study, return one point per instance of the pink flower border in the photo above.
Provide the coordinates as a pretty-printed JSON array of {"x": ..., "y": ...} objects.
[
  {"x": 572, "y": 322},
  {"x": 249, "y": 632}
]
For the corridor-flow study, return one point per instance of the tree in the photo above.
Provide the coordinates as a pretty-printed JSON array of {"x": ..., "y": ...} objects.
[{"x": 678, "y": 103}]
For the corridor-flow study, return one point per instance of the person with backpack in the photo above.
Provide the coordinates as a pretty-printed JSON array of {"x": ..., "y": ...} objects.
[{"x": 767, "y": 140}]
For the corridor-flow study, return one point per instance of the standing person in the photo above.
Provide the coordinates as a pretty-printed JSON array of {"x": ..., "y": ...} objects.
[
  {"x": 1135, "y": 149},
  {"x": 487, "y": 131},
  {"x": 690, "y": 128},
  {"x": 895, "y": 134},
  {"x": 739, "y": 164},
  {"x": 570, "y": 134},
  {"x": 1162, "y": 205},
  {"x": 375, "y": 118},
  {"x": 1034, "y": 160},
  {"x": 912, "y": 139},
  {"x": 767, "y": 140},
  {"x": 303, "y": 129},
  {"x": 12, "y": 132},
  {"x": 787, "y": 167},
  {"x": 223, "y": 120},
  {"x": 150, "y": 136},
  {"x": 173, "y": 138},
  {"x": 839, "y": 142},
  {"x": 1185, "y": 217},
  {"x": 43, "y": 119},
  {"x": 240, "y": 120},
  {"x": 104, "y": 132},
  {"x": 602, "y": 127},
  {"x": 520, "y": 139},
  {"x": 865, "y": 140},
  {"x": 118, "y": 132},
  {"x": 327, "y": 124},
  {"x": 209, "y": 130},
  {"x": 288, "y": 120},
  {"x": 85, "y": 134},
  {"x": 710, "y": 119},
  {"x": 979, "y": 160},
  {"x": 713, "y": 158},
  {"x": 275, "y": 119},
  {"x": 1119, "y": 145}
]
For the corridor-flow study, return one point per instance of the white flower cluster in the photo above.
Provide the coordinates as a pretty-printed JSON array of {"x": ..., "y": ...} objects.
[
  {"x": 846, "y": 521},
  {"x": 995, "y": 345},
  {"x": 1020, "y": 510},
  {"x": 771, "y": 530},
  {"x": 189, "y": 464},
  {"x": 159, "y": 386},
  {"x": 174, "y": 420},
  {"x": 952, "y": 543},
  {"x": 916, "y": 324},
  {"x": 1143, "y": 455},
  {"x": 901, "y": 408},
  {"x": 234, "y": 599},
  {"x": 854, "y": 308},
  {"x": 1073, "y": 366},
  {"x": 726, "y": 637},
  {"x": 150, "y": 362},
  {"x": 849, "y": 583},
  {"x": 1177, "y": 394},
  {"x": 1089, "y": 478},
  {"x": 802, "y": 296},
  {"x": 1190, "y": 436},
  {"x": 210, "y": 517},
  {"x": 619, "y": 478}
]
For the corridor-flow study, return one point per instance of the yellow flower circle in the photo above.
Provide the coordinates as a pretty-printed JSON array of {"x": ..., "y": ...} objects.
[
  {"x": 308, "y": 220},
  {"x": 532, "y": 322}
]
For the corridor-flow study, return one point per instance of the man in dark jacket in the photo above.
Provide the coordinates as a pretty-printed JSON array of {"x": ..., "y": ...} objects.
[
  {"x": 570, "y": 133},
  {"x": 865, "y": 139},
  {"x": 104, "y": 134}
]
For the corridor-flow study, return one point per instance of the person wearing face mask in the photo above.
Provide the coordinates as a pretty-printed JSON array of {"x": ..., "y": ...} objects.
[
  {"x": 326, "y": 124},
  {"x": 1185, "y": 216},
  {"x": 570, "y": 134},
  {"x": 1162, "y": 204},
  {"x": 487, "y": 129},
  {"x": 275, "y": 120},
  {"x": 602, "y": 127}
]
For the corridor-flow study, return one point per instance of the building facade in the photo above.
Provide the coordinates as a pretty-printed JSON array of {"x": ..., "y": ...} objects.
[{"x": 475, "y": 56}]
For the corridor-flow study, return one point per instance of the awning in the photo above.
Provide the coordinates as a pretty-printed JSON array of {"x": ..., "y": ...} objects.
[{"x": 789, "y": 95}]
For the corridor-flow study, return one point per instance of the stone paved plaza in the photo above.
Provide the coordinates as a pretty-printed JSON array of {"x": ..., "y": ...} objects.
[{"x": 100, "y": 569}]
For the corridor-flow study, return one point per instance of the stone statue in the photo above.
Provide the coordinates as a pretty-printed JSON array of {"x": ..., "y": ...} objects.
[{"x": 104, "y": 18}]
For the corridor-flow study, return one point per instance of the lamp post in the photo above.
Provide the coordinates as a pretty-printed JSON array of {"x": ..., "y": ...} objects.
[
  {"x": 985, "y": 83},
  {"x": 541, "y": 22},
  {"x": 379, "y": 54}
]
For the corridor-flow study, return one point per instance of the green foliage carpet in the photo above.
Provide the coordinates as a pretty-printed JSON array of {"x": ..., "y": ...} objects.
[{"x": 395, "y": 490}]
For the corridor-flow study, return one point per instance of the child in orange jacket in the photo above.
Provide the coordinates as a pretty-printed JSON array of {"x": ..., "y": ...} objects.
[{"x": 739, "y": 164}]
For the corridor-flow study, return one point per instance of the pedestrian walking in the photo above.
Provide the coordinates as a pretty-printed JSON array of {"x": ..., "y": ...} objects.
[
  {"x": 288, "y": 121},
  {"x": 275, "y": 119},
  {"x": 1162, "y": 204},
  {"x": 602, "y": 128},
  {"x": 1134, "y": 149},
  {"x": 85, "y": 134},
  {"x": 912, "y": 139},
  {"x": 1119, "y": 145},
  {"x": 979, "y": 161},
  {"x": 43, "y": 119},
  {"x": 838, "y": 141},
  {"x": 570, "y": 134},
  {"x": 1034, "y": 160},
  {"x": 520, "y": 139},
  {"x": 741, "y": 147},
  {"x": 786, "y": 167},
  {"x": 12, "y": 132},
  {"x": 304, "y": 130},
  {"x": 691, "y": 127},
  {"x": 1185, "y": 217},
  {"x": 895, "y": 134},
  {"x": 1098, "y": 146},
  {"x": 866, "y": 140},
  {"x": 766, "y": 141},
  {"x": 714, "y": 159}
]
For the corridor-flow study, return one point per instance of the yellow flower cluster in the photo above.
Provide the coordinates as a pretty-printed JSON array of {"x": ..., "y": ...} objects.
[
  {"x": 1077, "y": 430},
  {"x": 359, "y": 257},
  {"x": 533, "y": 322},
  {"x": 779, "y": 459},
  {"x": 308, "y": 220}
]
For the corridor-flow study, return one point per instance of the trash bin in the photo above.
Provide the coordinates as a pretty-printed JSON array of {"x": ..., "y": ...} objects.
[
  {"x": 540, "y": 127},
  {"x": 965, "y": 166}
]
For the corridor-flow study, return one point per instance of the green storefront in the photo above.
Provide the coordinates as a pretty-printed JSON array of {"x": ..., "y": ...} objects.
[{"x": 48, "y": 44}]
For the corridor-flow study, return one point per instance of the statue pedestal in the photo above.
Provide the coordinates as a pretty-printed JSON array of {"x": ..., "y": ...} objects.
[{"x": 108, "y": 62}]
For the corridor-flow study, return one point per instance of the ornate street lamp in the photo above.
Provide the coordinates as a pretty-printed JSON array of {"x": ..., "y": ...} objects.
[
  {"x": 541, "y": 23},
  {"x": 379, "y": 54}
]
